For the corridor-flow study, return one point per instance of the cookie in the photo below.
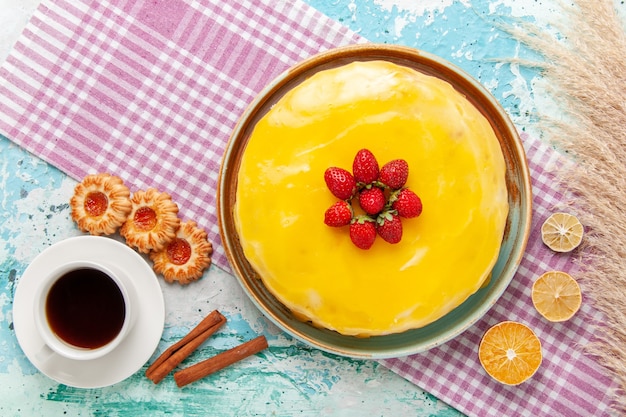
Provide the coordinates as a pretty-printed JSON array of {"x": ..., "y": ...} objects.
[
  {"x": 100, "y": 204},
  {"x": 185, "y": 258},
  {"x": 152, "y": 222}
]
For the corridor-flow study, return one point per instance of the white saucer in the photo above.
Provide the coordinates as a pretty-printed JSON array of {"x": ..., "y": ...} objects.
[{"x": 134, "y": 351}]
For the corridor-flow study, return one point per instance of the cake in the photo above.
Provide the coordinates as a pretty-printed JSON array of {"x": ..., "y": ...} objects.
[{"x": 456, "y": 167}]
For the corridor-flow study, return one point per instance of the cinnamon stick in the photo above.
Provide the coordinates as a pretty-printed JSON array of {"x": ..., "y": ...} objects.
[
  {"x": 178, "y": 352},
  {"x": 219, "y": 361}
]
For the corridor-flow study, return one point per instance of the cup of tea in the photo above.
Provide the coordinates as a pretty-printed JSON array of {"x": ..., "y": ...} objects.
[{"x": 83, "y": 310}]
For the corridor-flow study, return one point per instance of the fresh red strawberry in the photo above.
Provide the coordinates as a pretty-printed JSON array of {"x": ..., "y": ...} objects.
[
  {"x": 365, "y": 167},
  {"x": 339, "y": 214},
  {"x": 406, "y": 203},
  {"x": 389, "y": 227},
  {"x": 363, "y": 232},
  {"x": 394, "y": 173},
  {"x": 372, "y": 200},
  {"x": 340, "y": 182}
]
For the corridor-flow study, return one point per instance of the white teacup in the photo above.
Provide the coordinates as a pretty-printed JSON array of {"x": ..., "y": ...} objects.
[{"x": 82, "y": 310}]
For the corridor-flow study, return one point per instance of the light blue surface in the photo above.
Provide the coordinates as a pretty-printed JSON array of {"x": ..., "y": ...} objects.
[{"x": 288, "y": 379}]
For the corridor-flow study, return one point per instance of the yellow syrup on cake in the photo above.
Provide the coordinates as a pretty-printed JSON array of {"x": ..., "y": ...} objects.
[{"x": 455, "y": 166}]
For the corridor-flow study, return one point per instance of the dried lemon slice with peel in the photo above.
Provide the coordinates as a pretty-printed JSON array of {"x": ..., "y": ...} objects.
[
  {"x": 562, "y": 232},
  {"x": 556, "y": 296},
  {"x": 510, "y": 352}
]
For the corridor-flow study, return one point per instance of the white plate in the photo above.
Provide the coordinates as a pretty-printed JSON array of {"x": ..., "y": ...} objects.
[{"x": 135, "y": 349}]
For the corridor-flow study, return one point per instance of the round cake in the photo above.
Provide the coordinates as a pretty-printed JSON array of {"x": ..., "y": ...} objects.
[{"x": 456, "y": 167}]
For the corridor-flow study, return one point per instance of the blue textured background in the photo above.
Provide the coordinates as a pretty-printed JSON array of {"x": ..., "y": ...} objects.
[{"x": 289, "y": 378}]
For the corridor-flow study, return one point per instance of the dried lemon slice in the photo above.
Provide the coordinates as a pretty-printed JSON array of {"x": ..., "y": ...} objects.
[
  {"x": 556, "y": 296},
  {"x": 562, "y": 232},
  {"x": 510, "y": 352}
]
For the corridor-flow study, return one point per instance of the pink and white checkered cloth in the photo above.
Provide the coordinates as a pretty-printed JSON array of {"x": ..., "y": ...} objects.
[{"x": 151, "y": 90}]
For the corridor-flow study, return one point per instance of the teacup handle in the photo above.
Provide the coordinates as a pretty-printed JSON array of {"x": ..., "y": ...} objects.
[{"x": 44, "y": 354}]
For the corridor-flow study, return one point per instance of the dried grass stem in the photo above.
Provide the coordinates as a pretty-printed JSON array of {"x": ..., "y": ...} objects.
[{"x": 585, "y": 74}]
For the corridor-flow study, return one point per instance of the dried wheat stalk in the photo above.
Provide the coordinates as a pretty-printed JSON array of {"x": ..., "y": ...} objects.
[{"x": 585, "y": 70}]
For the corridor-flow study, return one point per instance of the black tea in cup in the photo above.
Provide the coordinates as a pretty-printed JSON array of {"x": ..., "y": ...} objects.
[{"x": 85, "y": 308}]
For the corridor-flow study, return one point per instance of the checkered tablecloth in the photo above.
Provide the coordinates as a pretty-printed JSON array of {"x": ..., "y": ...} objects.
[{"x": 150, "y": 91}]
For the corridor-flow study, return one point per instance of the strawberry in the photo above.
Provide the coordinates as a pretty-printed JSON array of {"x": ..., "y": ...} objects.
[
  {"x": 339, "y": 214},
  {"x": 340, "y": 182},
  {"x": 389, "y": 226},
  {"x": 365, "y": 167},
  {"x": 406, "y": 203},
  {"x": 372, "y": 200},
  {"x": 394, "y": 173},
  {"x": 362, "y": 232}
]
